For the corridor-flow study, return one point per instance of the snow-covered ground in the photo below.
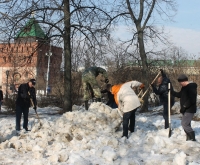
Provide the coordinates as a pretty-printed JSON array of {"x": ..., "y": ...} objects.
[{"x": 90, "y": 138}]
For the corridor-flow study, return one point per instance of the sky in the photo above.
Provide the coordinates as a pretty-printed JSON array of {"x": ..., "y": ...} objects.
[
  {"x": 91, "y": 137},
  {"x": 183, "y": 32}
]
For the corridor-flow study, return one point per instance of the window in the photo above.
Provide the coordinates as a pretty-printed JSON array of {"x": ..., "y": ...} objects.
[
  {"x": 9, "y": 59},
  {"x": 4, "y": 59}
]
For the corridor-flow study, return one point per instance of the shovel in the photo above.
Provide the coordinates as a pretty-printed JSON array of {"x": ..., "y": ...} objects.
[
  {"x": 150, "y": 85},
  {"x": 121, "y": 116},
  {"x": 169, "y": 108},
  {"x": 35, "y": 110}
]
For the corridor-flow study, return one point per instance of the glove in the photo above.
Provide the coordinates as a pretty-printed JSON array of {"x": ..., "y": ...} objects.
[
  {"x": 106, "y": 81},
  {"x": 35, "y": 108},
  {"x": 142, "y": 86},
  {"x": 141, "y": 101},
  {"x": 182, "y": 110}
]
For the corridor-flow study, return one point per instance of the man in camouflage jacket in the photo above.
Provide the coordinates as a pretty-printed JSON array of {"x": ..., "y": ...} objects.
[{"x": 90, "y": 84}]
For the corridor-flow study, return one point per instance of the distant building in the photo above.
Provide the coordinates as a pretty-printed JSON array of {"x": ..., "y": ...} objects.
[{"x": 26, "y": 57}]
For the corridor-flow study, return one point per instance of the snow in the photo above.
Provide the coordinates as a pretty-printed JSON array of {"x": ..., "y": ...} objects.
[{"x": 92, "y": 137}]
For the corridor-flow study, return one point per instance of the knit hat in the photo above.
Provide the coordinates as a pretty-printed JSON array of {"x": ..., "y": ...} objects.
[
  {"x": 33, "y": 81},
  {"x": 182, "y": 78}
]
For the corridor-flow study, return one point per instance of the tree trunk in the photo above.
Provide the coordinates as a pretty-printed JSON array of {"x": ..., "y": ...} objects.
[
  {"x": 67, "y": 59},
  {"x": 145, "y": 73}
]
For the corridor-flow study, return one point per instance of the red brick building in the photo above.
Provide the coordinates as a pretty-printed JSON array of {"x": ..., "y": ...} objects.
[{"x": 27, "y": 57}]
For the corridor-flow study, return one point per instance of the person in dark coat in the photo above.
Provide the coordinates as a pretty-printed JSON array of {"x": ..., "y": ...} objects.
[
  {"x": 1, "y": 97},
  {"x": 26, "y": 92},
  {"x": 162, "y": 91},
  {"x": 111, "y": 101},
  {"x": 188, "y": 99}
]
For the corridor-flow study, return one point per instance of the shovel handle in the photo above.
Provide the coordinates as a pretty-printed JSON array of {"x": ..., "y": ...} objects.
[
  {"x": 150, "y": 84},
  {"x": 34, "y": 109},
  {"x": 169, "y": 109}
]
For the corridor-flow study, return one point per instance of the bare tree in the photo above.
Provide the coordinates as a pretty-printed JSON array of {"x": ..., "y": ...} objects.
[
  {"x": 62, "y": 20},
  {"x": 140, "y": 16}
]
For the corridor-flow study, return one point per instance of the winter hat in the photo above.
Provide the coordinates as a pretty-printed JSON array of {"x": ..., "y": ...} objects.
[
  {"x": 182, "y": 77},
  {"x": 33, "y": 81}
]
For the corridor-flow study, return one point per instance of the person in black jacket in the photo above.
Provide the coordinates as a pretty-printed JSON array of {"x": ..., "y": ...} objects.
[
  {"x": 1, "y": 97},
  {"x": 188, "y": 99},
  {"x": 162, "y": 91},
  {"x": 26, "y": 92}
]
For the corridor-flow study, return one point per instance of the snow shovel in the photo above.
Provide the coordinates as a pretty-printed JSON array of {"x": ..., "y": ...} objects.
[
  {"x": 120, "y": 113},
  {"x": 169, "y": 108},
  {"x": 35, "y": 110},
  {"x": 150, "y": 84},
  {"x": 121, "y": 116}
]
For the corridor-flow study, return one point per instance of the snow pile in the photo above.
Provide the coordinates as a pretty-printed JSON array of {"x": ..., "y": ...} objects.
[
  {"x": 176, "y": 108},
  {"x": 88, "y": 137},
  {"x": 78, "y": 129}
]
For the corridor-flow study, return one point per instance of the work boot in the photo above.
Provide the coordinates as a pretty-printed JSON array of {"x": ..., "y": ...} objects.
[
  {"x": 191, "y": 136},
  {"x": 187, "y": 136},
  {"x": 130, "y": 129},
  {"x": 86, "y": 105},
  {"x": 166, "y": 124},
  {"x": 125, "y": 136},
  {"x": 27, "y": 129},
  {"x": 17, "y": 128}
]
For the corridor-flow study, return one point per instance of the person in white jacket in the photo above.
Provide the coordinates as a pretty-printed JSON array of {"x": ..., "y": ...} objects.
[{"x": 127, "y": 102}]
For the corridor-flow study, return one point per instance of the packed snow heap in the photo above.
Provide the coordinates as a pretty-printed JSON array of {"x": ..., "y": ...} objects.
[{"x": 92, "y": 137}]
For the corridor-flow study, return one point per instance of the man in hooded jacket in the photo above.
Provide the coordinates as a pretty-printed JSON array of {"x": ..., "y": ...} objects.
[
  {"x": 127, "y": 102},
  {"x": 162, "y": 91},
  {"x": 188, "y": 99}
]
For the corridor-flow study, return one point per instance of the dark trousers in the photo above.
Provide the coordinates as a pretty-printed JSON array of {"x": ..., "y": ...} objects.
[
  {"x": 0, "y": 104},
  {"x": 165, "y": 113},
  {"x": 128, "y": 122},
  {"x": 19, "y": 111}
]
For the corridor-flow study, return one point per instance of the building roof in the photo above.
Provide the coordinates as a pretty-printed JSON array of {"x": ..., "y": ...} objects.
[{"x": 31, "y": 29}]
